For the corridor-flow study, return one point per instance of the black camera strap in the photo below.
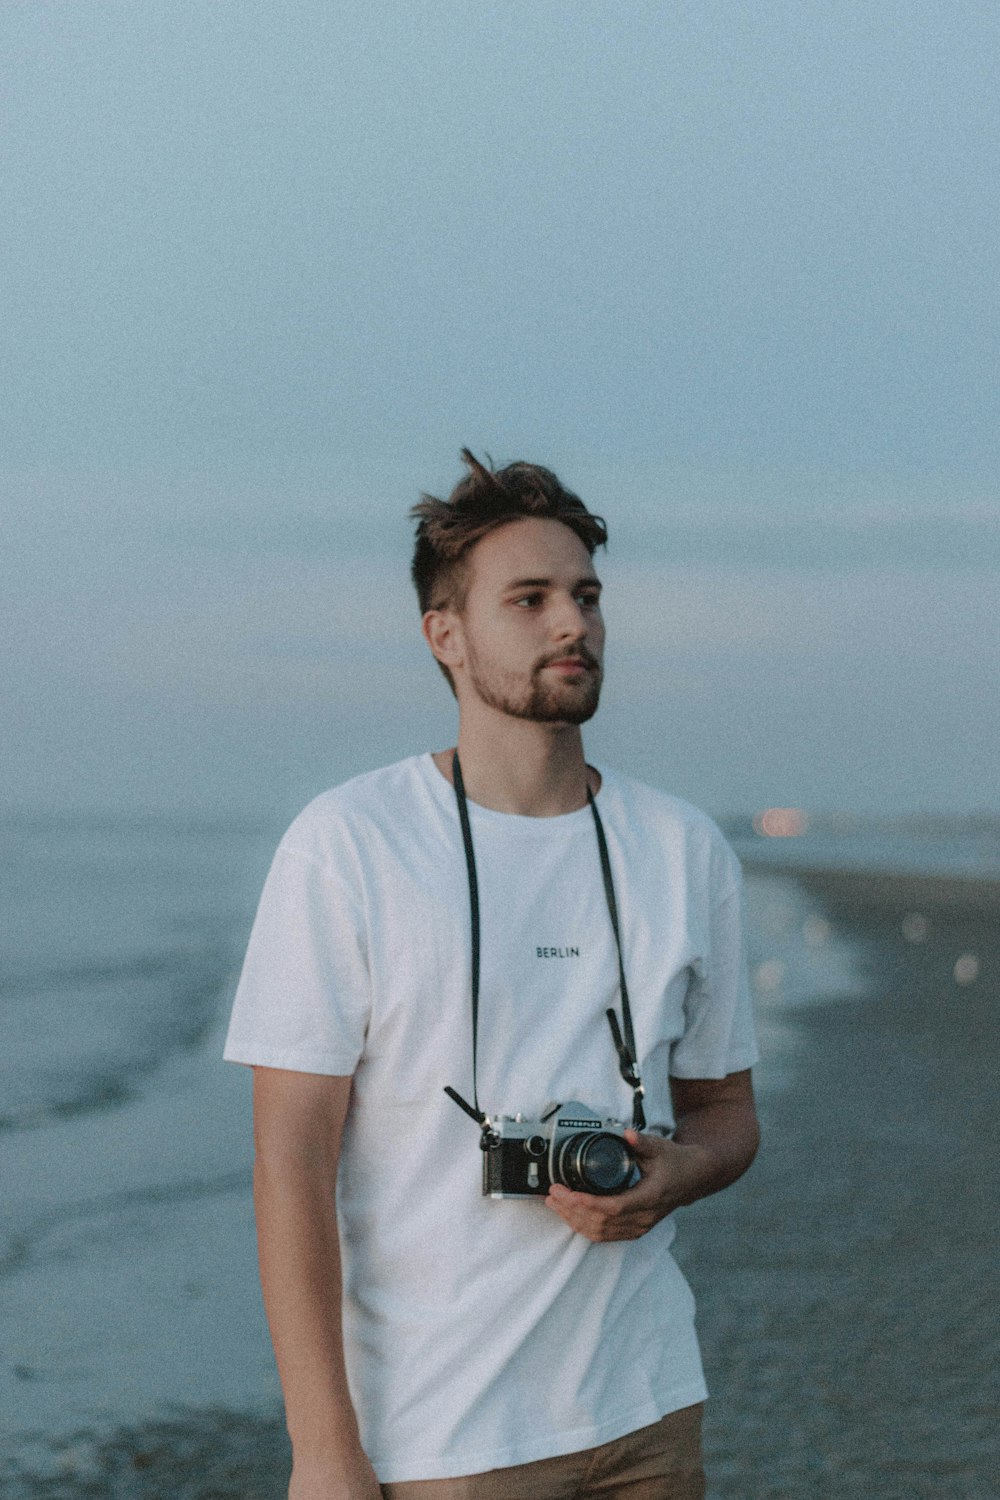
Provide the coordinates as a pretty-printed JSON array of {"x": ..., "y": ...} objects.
[
  {"x": 628, "y": 1064},
  {"x": 470, "y": 862},
  {"x": 623, "y": 1035}
]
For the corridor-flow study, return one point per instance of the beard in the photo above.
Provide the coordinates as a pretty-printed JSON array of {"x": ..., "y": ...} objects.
[{"x": 542, "y": 702}]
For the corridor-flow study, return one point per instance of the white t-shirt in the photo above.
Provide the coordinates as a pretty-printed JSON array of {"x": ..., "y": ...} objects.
[{"x": 483, "y": 1333}]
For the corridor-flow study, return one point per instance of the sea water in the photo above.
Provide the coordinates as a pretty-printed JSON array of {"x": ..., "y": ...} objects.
[{"x": 127, "y": 1275}]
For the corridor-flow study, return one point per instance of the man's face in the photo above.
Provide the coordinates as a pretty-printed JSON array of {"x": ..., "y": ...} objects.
[{"x": 531, "y": 627}]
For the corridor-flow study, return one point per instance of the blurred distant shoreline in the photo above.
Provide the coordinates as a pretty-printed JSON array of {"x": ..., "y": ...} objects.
[
  {"x": 831, "y": 827},
  {"x": 851, "y": 860},
  {"x": 890, "y": 892}
]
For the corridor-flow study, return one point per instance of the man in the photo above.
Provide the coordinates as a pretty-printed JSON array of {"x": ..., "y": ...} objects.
[{"x": 434, "y": 1341}]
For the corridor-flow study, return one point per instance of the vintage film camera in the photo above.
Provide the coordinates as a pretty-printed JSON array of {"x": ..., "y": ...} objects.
[{"x": 569, "y": 1144}]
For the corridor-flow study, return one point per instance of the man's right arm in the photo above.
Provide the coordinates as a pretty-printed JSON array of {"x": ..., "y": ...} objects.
[{"x": 298, "y": 1124}]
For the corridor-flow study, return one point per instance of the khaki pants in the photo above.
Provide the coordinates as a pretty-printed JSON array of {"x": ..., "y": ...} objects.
[{"x": 661, "y": 1462}]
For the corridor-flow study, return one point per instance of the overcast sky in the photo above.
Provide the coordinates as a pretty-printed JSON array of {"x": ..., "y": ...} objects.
[{"x": 730, "y": 268}]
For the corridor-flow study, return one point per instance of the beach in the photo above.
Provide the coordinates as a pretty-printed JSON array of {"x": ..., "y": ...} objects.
[{"x": 845, "y": 1286}]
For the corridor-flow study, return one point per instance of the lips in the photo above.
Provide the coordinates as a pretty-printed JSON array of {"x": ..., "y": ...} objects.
[{"x": 570, "y": 666}]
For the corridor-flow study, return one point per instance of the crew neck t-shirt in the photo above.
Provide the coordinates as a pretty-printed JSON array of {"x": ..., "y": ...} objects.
[{"x": 481, "y": 1333}]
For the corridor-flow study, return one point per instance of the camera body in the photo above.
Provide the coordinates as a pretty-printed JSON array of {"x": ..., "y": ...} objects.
[{"x": 568, "y": 1144}]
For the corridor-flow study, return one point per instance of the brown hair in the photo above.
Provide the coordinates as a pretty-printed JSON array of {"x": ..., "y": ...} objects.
[{"x": 483, "y": 501}]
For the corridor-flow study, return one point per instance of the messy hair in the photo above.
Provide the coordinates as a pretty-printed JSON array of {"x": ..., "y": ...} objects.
[{"x": 483, "y": 501}]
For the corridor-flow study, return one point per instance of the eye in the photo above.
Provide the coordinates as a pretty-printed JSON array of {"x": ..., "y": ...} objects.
[
  {"x": 589, "y": 599},
  {"x": 528, "y": 601}
]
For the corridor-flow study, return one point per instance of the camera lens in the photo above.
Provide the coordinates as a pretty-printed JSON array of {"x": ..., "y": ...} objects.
[{"x": 595, "y": 1162}]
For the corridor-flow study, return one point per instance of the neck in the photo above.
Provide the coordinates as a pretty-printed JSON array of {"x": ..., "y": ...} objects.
[{"x": 516, "y": 766}]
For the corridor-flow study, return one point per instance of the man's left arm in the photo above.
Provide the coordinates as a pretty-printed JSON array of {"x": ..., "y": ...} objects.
[{"x": 714, "y": 1142}]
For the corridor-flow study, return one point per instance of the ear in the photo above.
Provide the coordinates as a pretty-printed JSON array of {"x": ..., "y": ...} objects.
[{"x": 442, "y": 630}]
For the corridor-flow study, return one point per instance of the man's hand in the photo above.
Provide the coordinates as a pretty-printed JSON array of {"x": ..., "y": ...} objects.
[
  {"x": 714, "y": 1143},
  {"x": 669, "y": 1173},
  {"x": 334, "y": 1479}
]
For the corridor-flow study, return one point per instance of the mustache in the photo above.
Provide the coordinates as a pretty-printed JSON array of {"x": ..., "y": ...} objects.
[{"x": 579, "y": 653}]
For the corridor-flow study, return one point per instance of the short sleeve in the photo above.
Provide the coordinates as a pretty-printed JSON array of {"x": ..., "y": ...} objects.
[
  {"x": 718, "y": 1033},
  {"x": 303, "y": 999}
]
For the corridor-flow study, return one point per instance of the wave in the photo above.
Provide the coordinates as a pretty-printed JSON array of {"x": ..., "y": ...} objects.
[
  {"x": 28, "y": 1246},
  {"x": 75, "y": 1039},
  {"x": 40, "y": 976}
]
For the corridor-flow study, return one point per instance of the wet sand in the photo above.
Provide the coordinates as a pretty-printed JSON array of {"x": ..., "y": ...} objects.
[{"x": 846, "y": 1286}]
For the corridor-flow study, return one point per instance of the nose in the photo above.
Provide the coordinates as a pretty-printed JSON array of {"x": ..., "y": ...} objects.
[{"x": 571, "y": 623}]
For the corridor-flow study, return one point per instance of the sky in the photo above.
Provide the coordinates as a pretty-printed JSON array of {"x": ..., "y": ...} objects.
[{"x": 729, "y": 268}]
